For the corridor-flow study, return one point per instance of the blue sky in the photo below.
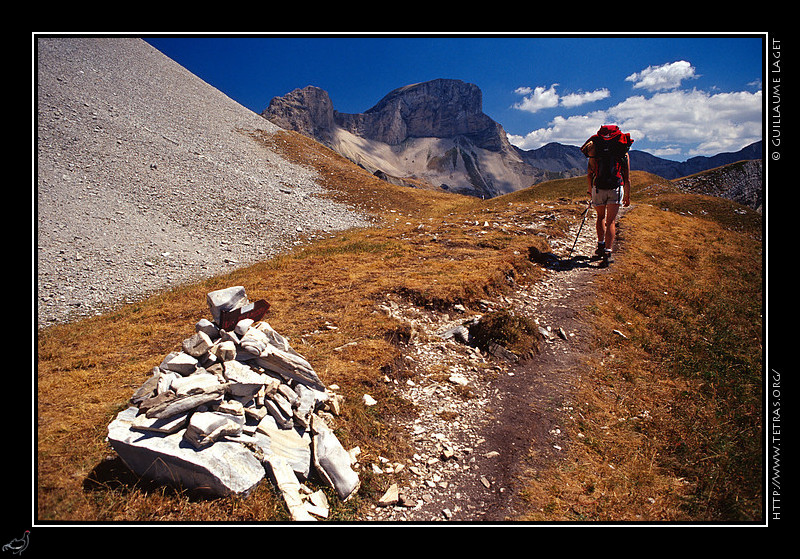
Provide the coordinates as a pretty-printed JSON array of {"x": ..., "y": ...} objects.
[{"x": 678, "y": 96}]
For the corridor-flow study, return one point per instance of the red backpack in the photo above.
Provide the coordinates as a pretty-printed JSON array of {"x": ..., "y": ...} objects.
[{"x": 611, "y": 146}]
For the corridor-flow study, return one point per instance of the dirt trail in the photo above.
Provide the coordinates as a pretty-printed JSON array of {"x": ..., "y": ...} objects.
[{"x": 512, "y": 421}]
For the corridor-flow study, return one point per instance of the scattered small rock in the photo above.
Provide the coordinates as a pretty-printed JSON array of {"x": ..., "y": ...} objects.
[{"x": 391, "y": 497}]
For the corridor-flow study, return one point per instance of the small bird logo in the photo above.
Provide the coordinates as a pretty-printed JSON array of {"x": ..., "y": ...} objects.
[{"x": 18, "y": 545}]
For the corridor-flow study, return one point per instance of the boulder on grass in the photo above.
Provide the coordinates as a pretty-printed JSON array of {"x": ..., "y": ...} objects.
[
  {"x": 221, "y": 469},
  {"x": 332, "y": 462}
]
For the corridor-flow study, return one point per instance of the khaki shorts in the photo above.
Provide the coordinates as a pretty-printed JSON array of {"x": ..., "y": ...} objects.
[{"x": 603, "y": 197}]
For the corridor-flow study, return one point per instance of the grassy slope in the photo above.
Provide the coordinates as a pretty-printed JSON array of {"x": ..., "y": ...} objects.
[{"x": 433, "y": 249}]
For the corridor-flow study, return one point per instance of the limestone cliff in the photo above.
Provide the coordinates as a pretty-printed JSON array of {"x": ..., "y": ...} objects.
[{"x": 433, "y": 131}]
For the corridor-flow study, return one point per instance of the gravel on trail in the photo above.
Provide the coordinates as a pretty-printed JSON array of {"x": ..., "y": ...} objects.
[{"x": 147, "y": 179}]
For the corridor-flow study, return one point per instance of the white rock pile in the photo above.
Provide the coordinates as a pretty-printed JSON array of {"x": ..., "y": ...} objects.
[{"x": 232, "y": 407}]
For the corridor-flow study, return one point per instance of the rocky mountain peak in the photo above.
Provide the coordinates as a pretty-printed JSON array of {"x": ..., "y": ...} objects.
[
  {"x": 308, "y": 110},
  {"x": 449, "y": 94},
  {"x": 434, "y": 131},
  {"x": 441, "y": 108}
]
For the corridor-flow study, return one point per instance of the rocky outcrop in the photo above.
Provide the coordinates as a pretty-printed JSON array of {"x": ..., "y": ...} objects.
[
  {"x": 308, "y": 110},
  {"x": 741, "y": 182},
  {"x": 434, "y": 132},
  {"x": 435, "y": 109}
]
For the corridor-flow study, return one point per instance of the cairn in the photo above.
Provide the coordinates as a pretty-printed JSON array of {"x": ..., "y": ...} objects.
[{"x": 236, "y": 404}]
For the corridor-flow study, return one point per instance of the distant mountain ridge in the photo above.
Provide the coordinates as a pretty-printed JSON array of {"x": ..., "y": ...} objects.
[
  {"x": 643, "y": 161},
  {"x": 561, "y": 158},
  {"x": 435, "y": 132}
]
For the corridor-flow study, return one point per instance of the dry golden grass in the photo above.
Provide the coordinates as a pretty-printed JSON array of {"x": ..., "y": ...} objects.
[{"x": 434, "y": 249}]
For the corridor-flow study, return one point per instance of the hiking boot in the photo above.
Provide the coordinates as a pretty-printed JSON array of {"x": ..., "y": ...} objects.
[
  {"x": 608, "y": 258},
  {"x": 601, "y": 249}
]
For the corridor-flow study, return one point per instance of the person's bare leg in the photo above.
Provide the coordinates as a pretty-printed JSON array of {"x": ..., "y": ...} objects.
[
  {"x": 600, "y": 225},
  {"x": 610, "y": 225}
]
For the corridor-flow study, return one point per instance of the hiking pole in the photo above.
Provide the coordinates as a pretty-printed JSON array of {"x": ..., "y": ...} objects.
[{"x": 585, "y": 213}]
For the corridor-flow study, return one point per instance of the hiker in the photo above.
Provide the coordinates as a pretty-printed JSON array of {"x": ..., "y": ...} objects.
[{"x": 608, "y": 176}]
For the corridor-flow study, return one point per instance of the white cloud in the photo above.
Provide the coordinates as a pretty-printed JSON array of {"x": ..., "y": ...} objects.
[
  {"x": 666, "y": 76},
  {"x": 576, "y": 99},
  {"x": 537, "y": 99},
  {"x": 573, "y": 130},
  {"x": 667, "y": 152},
  {"x": 540, "y": 98},
  {"x": 694, "y": 122},
  {"x": 709, "y": 123},
  {"x": 671, "y": 121}
]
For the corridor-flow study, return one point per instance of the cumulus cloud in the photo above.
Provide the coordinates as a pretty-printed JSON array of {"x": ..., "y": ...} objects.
[
  {"x": 576, "y": 99},
  {"x": 537, "y": 99},
  {"x": 689, "y": 122},
  {"x": 711, "y": 123},
  {"x": 572, "y": 130},
  {"x": 666, "y": 76},
  {"x": 671, "y": 120},
  {"x": 540, "y": 98}
]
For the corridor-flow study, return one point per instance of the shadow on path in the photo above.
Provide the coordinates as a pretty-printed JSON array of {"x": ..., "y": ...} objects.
[{"x": 554, "y": 262}]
